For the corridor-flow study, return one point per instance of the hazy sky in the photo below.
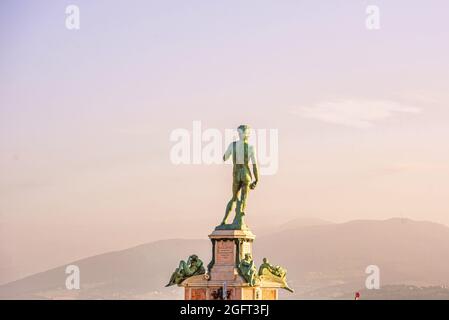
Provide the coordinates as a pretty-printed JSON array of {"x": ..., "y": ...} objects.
[{"x": 86, "y": 115}]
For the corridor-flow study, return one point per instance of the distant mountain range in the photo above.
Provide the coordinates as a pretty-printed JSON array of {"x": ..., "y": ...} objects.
[{"x": 324, "y": 261}]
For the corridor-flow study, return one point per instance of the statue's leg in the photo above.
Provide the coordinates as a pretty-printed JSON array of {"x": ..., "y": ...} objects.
[
  {"x": 253, "y": 278},
  {"x": 230, "y": 206},
  {"x": 176, "y": 274},
  {"x": 172, "y": 280},
  {"x": 245, "y": 188}
]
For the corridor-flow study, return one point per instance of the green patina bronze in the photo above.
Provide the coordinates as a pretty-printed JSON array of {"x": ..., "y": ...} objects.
[
  {"x": 242, "y": 154},
  {"x": 193, "y": 266},
  {"x": 248, "y": 270},
  {"x": 273, "y": 273}
]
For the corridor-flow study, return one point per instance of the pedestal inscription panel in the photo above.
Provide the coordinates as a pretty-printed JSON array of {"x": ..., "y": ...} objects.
[{"x": 225, "y": 252}]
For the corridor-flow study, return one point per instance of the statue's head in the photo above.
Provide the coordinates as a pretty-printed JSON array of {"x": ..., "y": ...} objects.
[
  {"x": 244, "y": 131},
  {"x": 193, "y": 257},
  {"x": 248, "y": 256},
  {"x": 265, "y": 260}
]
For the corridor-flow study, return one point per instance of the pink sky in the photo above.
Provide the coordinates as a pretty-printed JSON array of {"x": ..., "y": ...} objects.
[{"x": 85, "y": 118}]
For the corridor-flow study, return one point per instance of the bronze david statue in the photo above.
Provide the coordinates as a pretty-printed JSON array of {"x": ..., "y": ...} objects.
[
  {"x": 231, "y": 273},
  {"x": 242, "y": 178}
]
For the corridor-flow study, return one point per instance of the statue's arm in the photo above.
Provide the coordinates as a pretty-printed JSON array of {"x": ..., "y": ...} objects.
[
  {"x": 256, "y": 172},
  {"x": 227, "y": 153},
  {"x": 255, "y": 165},
  {"x": 251, "y": 264}
]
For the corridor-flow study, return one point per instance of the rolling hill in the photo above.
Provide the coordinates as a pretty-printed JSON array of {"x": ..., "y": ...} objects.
[{"x": 323, "y": 260}]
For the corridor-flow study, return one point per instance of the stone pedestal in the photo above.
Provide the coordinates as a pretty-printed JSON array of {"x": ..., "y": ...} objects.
[
  {"x": 228, "y": 248},
  {"x": 223, "y": 280}
]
